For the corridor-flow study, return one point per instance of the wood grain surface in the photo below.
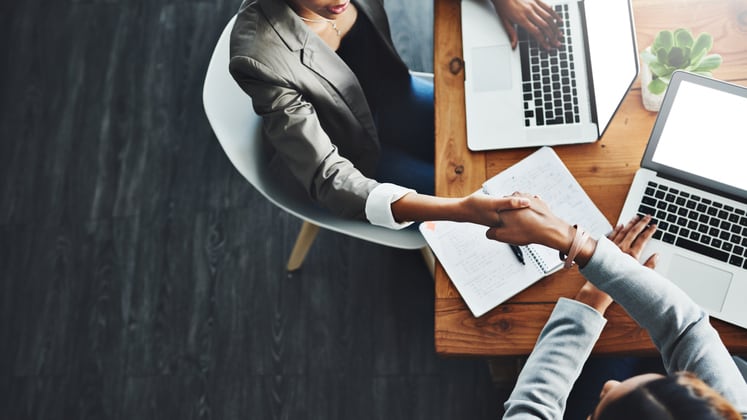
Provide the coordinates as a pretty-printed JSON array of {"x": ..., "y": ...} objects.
[{"x": 605, "y": 169}]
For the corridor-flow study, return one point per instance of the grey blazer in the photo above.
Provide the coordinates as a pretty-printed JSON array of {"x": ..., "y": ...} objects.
[{"x": 314, "y": 111}]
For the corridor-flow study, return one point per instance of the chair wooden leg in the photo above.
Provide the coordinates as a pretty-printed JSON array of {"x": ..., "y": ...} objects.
[
  {"x": 430, "y": 260},
  {"x": 303, "y": 243}
]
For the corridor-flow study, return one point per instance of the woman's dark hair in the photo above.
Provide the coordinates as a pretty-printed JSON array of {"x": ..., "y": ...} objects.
[{"x": 678, "y": 396}]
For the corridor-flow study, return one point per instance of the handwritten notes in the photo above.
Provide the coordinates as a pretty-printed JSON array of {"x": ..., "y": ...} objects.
[{"x": 487, "y": 273}]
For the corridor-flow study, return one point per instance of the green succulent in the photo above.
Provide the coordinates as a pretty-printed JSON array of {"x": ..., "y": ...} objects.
[{"x": 679, "y": 51}]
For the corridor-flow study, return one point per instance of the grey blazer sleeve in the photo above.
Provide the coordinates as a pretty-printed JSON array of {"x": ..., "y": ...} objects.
[
  {"x": 562, "y": 348},
  {"x": 292, "y": 126},
  {"x": 679, "y": 328}
]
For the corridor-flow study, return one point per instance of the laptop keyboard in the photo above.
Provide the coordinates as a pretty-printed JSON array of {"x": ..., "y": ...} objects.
[
  {"x": 549, "y": 79},
  {"x": 698, "y": 224}
]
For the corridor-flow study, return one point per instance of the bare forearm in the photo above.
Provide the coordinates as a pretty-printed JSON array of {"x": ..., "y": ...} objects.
[
  {"x": 475, "y": 208},
  {"x": 593, "y": 297},
  {"x": 419, "y": 207}
]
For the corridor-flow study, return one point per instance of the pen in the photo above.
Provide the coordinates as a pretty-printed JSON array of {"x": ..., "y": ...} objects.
[{"x": 518, "y": 253}]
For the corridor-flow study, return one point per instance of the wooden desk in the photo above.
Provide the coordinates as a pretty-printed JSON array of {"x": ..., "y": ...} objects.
[{"x": 605, "y": 169}]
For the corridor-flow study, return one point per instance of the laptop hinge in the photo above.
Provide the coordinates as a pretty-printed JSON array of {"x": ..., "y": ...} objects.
[{"x": 590, "y": 78}]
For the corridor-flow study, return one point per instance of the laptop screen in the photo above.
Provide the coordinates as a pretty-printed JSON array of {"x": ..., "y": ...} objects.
[
  {"x": 700, "y": 134},
  {"x": 612, "y": 54}
]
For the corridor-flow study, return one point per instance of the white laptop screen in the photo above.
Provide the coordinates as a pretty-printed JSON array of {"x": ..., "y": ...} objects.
[
  {"x": 700, "y": 134},
  {"x": 612, "y": 54}
]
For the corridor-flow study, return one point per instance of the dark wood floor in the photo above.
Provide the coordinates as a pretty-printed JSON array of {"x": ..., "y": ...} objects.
[{"x": 142, "y": 278}]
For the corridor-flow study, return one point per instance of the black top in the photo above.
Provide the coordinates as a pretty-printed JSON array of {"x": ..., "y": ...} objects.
[{"x": 381, "y": 77}]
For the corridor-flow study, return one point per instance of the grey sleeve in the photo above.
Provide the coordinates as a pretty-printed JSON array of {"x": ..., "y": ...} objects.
[
  {"x": 292, "y": 126},
  {"x": 679, "y": 328},
  {"x": 556, "y": 361}
]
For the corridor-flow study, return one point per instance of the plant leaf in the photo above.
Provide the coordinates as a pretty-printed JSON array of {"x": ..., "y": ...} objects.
[
  {"x": 683, "y": 38},
  {"x": 665, "y": 40},
  {"x": 686, "y": 54},
  {"x": 676, "y": 58},
  {"x": 661, "y": 55},
  {"x": 657, "y": 86},
  {"x": 702, "y": 45},
  {"x": 660, "y": 70},
  {"x": 708, "y": 63},
  {"x": 686, "y": 62}
]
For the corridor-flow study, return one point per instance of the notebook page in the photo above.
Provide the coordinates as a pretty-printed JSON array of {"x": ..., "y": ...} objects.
[{"x": 485, "y": 272}]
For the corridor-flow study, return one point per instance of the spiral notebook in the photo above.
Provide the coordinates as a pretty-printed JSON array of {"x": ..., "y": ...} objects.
[{"x": 487, "y": 273}]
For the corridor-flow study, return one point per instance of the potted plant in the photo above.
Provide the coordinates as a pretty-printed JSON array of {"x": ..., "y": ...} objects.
[{"x": 672, "y": 51}]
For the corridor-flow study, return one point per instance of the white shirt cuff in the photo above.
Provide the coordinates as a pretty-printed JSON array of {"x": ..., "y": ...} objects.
[{"x": 379, "y": 205}]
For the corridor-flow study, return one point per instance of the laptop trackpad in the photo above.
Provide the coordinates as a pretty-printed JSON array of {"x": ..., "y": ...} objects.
[
  {"x": 707, "y": 285},
  {"x": 491, "y": 68}
]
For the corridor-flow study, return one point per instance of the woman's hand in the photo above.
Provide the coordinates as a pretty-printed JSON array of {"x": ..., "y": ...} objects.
[
  {"x": 630, "y": 238},
  {"x": 476, "y": 208},
  {"x": 633, "y": 236},
  {"x": 486, "y": 210},
  {"x": 536, "y": 17},
  {"x": 535, "y": 224}
]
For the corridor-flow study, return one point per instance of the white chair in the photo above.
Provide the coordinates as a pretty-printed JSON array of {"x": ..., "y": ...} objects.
[
  {"x": 238, "y": 129},
  {"x": 741, "y": 365}
]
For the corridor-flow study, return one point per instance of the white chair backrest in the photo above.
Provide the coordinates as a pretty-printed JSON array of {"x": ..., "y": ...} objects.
[
  {"x": 230, "y": 113},
  {"x": 239, "y": 131}
]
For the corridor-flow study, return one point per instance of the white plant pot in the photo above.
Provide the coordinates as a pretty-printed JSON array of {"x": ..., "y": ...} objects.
[{"x": 651, "y": 102}]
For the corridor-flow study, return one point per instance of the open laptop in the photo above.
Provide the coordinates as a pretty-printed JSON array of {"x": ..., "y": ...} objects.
[
  {"x": 693, "y": 180},
  {"x": 529, "y": 97}
]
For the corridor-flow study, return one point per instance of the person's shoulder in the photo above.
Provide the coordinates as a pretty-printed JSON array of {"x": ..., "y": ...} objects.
[
  {"x": 256, "y": 48},
  {"x": 252, "y": 34},
  {"x": 264, "y": 32}
]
